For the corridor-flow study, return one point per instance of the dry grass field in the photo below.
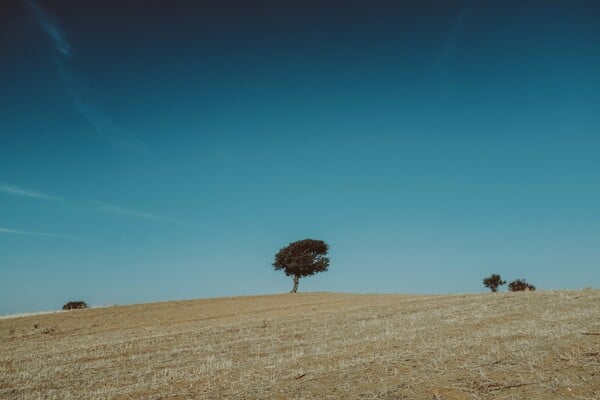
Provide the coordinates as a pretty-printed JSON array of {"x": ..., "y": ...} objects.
[{"x": 539, "y": 345}]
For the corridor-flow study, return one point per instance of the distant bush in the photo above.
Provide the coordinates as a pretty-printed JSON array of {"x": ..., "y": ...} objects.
[
  {"x": 520, "y": 286},
  {"x": 75, "y": 305},
  {"x": 493, "y": 282}
]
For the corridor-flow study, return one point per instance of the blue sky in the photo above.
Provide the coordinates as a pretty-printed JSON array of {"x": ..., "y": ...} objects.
[{"x": 152, "y": 151}]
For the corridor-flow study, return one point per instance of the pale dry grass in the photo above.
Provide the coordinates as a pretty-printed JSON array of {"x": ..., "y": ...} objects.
[{"x": 540, "y": 345}]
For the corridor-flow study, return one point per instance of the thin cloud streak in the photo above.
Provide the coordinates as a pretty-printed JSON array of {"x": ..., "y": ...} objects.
[
  {"x": 96, "y": 205},
  {"x": 101, "y": 206},
  {"x": 31, "y": 233},
  {"x": 454, "y": 34},
  {"x": 448, "y": 50},
  {"x": 105, "y": 128},
  {"x": 21, "y": 192},
  {"x": 51, "y": 28},
  {"x": 102, "y": 126}
]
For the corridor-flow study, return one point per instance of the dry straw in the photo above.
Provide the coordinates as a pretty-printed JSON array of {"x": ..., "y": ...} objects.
[{"x": 532, "y": 345}]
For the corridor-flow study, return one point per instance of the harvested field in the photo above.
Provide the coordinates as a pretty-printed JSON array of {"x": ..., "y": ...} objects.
[{"x": 536, "y": 345}]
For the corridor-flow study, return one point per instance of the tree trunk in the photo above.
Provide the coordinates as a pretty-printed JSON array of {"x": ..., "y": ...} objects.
[{"x": 296, "y": 280}]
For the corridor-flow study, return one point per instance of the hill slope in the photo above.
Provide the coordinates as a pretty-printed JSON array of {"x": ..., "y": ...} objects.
[{"x": 542, "y": 345}]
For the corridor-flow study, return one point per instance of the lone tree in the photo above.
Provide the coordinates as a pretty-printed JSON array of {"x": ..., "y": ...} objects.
[
  {"x": 493, "y": 282},
  {"x": 520, "y": 285},
  {"x": 302, "y": 258}
]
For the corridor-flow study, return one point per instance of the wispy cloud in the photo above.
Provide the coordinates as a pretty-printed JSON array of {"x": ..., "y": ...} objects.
[
  {"x": 21, "y": 192},
  {"x": 450, "y": 44},
  {"x": 101, "y": 206},
  {"x": 51, "y": 27},
  {"x": 453, "y": 36},
  {"x": 94, "y": 205},
  {"x": 9, "y": 231},
  {"x": 103, "y": 127}
]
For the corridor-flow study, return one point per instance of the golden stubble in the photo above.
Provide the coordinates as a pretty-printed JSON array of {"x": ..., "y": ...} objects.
[{"x": 536, "y": 345}]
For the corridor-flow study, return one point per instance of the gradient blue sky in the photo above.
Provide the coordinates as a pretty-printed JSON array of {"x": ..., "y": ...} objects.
[{"x": 157, "y": 150}]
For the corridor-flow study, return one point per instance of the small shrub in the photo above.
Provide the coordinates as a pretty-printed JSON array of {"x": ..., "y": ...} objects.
[
  {"x": 520, "y": 285},
  {"x": 493, "y": 282},
  {"x": 75, "y": 305}
]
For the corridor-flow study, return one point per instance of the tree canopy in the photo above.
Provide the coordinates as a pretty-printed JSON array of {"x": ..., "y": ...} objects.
[
  {"x": 302, "y": 258},
  {"x": 520, "y": 285},
  {"x": 493, "y": 282}
]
